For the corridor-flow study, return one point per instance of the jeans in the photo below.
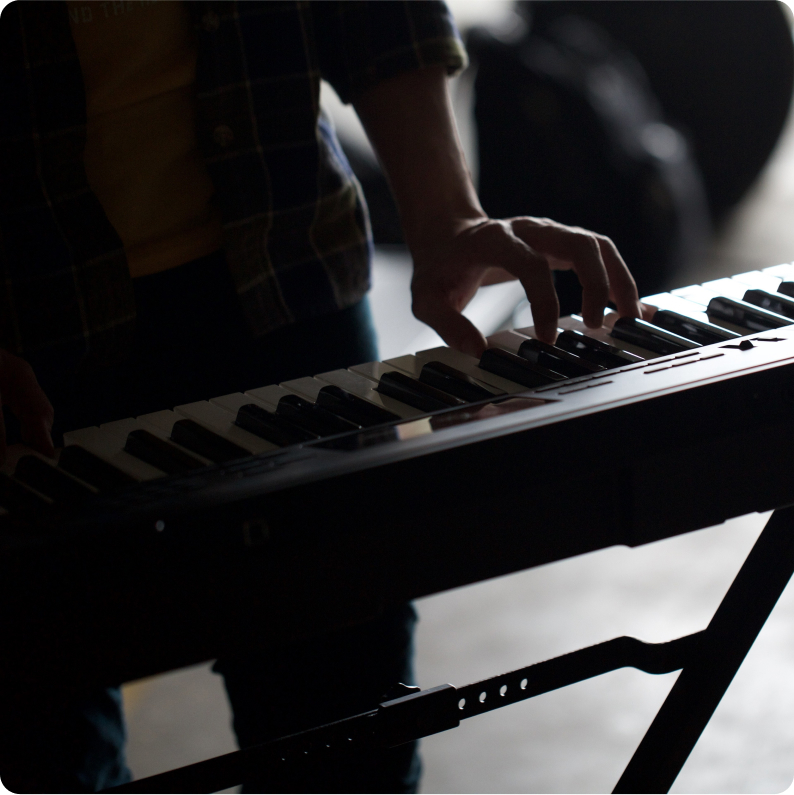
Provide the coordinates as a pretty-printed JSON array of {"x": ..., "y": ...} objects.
[
  {"x": 319, "y": 681},
  {"x": 192, "y": 344}
]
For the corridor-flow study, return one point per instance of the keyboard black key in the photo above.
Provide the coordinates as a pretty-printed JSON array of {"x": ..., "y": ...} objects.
[
  {"x": 313, "y": 418},
  {"x": 352, "y": 407},
  {"x": 692, "y": 329},
  {"x": 773, "y": 302},
  {"x": 595, "y": 351},
  {"x": 50, "y": 481},
  {"x": 516, "y": 368},
  {"x": 557, "y": 359},
  {"x": 92, "y": 469},
  {"x": 267, "y": 425},
  {"x": 206, "y": 443},
  {"x": 786, "y": 288},
  {"x": 160, "y": 453},
  {"x": 454, "y": 382},
  {"x": 740, "y": 313},
  {"x": 650, "y": 337},
  {"x": 416, "y": 393}
]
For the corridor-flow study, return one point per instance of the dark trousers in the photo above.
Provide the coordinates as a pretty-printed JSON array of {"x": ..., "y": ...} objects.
[{"x": 192, "y": 344}]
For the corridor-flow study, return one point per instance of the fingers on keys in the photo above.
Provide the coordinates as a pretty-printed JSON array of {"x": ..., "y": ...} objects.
[
  {"x": 510, "y": 245},
  {"x": 598, "y": 265},
  {"x": 434, "y": 307}
]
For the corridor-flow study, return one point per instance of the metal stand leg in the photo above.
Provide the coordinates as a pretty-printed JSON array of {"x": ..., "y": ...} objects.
[{"x": 722, "y": 648}]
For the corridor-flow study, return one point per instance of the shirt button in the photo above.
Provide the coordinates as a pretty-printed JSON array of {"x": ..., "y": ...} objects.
[
  {"x": 223, "y": 135},
  {"x": 210, "y": 21}
]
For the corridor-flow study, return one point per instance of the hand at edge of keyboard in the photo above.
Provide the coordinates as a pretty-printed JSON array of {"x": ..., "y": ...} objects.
[{"x": 20, "y": 391}]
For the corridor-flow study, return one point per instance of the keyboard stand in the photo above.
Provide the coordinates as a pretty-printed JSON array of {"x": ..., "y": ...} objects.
[
  {"x": 708, "y": 661},
  {"x": 724, "y": 645}
]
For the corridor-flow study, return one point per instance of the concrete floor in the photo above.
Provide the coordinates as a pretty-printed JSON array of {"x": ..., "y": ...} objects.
[{"x": 580, "y": 738}]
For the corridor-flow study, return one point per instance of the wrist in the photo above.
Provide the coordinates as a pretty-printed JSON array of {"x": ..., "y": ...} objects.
[{"x": 430, "y": 230}]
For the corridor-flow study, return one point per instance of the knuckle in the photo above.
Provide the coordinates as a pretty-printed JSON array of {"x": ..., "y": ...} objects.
[{"x": 588, "y": 242}]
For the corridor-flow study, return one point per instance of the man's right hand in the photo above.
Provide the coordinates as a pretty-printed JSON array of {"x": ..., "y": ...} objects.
[{"x": 20, "y": 391}]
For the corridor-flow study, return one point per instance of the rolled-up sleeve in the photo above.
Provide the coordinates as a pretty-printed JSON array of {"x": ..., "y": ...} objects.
[{"x": 359, "y": 44}]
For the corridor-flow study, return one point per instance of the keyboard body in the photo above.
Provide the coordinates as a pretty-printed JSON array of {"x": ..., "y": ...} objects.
[{"x": 294, "y": 542}]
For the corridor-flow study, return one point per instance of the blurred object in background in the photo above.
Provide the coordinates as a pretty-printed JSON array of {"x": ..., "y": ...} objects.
[
  {"x": 570, "y": 129},
  {"x": 637, "y": 120},
  {"x": 723, "y": 72}
]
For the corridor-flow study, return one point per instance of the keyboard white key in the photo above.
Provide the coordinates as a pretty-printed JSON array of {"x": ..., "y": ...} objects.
[
  {"x": 15, "y": 451},
  {"x": 160, "y": 424},
  {"x": 232, "y": 403},
  {"x": 727, "y": 288},
  {"x": 307, "y": 388},
  {"x": 121, "y": 427},
  {"x": 758, "y": 280},
  {"x": 364, "y": 388},
  {"x": 675, "y": 303},
  {"x": 269, "y": 396},
  {"x": 407, "y": 364},
  {"x": 696, "y": 294},
  {"x": 506, "y": 340},
  {"x": 469, "y": 365},
  {"x": 221, "y": 422},
  {"x": 109, "y": 446},
  {"x": 374, "y": 370},
  {"x": 784, "y": 271}
]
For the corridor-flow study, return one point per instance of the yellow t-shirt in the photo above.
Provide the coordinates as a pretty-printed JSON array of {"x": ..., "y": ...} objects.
[{"x": 141, "y": 157}]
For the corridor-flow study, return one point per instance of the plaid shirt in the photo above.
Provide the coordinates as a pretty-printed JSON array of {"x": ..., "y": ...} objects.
[{"x": 295, "y": 230}]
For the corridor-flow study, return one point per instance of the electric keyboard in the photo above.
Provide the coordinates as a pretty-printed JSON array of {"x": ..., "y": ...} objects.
[{"x": 253, "y": 519}]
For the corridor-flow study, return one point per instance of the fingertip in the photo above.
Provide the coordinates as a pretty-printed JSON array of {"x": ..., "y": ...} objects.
[
  {"x": 593, "y": 319},
  {"x": 634, "y": 308},
  {"x": 546, "y": 332},
  {"x": 593, "y": 307},
  {"x": 648, "y": 311},
  {"x": 460, "y": 333},
  {"x": 471, "y": 345},
  {"x": 45, "y": 442},
  {"x": 474, "y": 352}
]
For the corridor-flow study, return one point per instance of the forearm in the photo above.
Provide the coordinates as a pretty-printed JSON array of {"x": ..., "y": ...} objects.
[{"x": 410, "y": 122}]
